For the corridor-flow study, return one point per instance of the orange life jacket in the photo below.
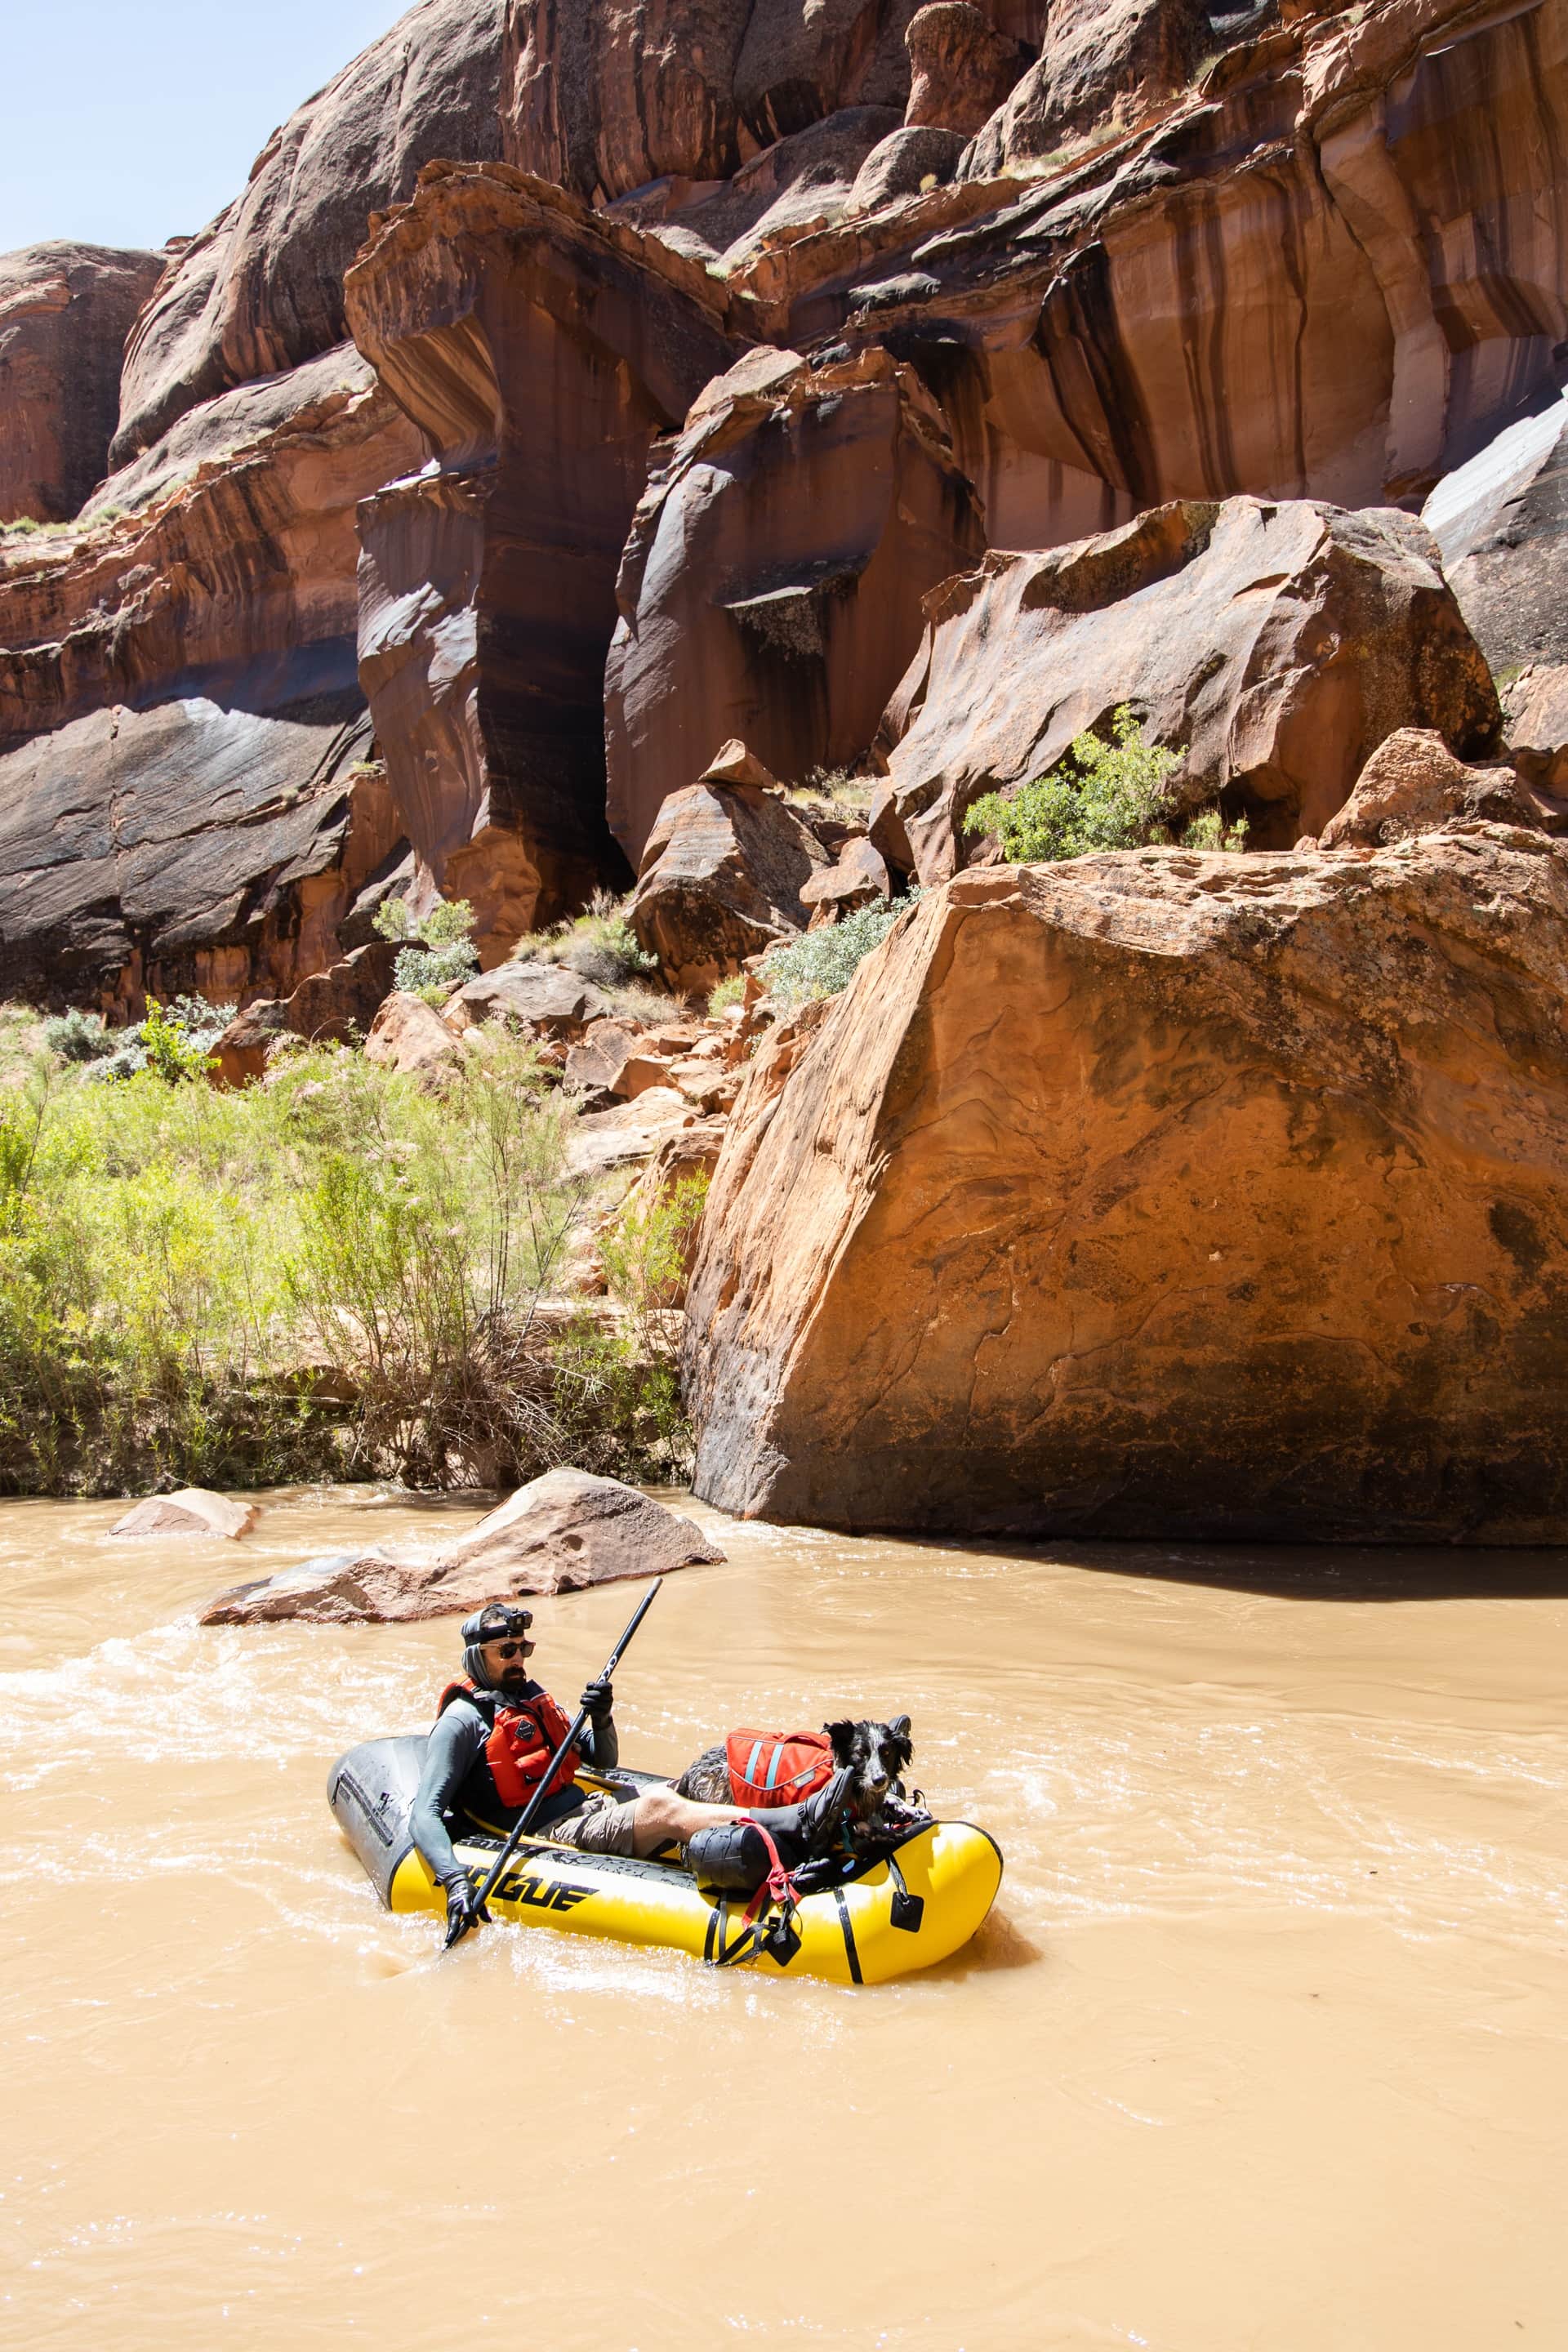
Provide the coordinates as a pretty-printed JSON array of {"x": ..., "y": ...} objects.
[
  {"x": 777, "y": 1768},
  {"x": 526, "y": 1734}
]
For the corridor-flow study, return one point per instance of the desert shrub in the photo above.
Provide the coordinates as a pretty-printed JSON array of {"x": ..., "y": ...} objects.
[
  {"x": 137, "y": 1280},
  {"x": 637, "y": 1000},
  {"x": 334, "y": 1274},
  {"x": 174, "y": 1053},
  {"x": 1210, "y": 831},
  {"x": 1102, "y": 795},
  {"x": 647, "y": 1251},
  {"x": 728, "y": 991},
  {"x": 175, "y": 1041},
  {"x": 841, "y": 791},
  {"x": 820, "y": 963},
  {"x": 440, "y": 954},
  {"x": 599, "y": 945},
  {"x": 78, "y": 1036}
]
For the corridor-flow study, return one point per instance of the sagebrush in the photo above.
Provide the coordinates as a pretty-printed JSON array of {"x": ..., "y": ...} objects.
[
  {"x": 438, "y": 954},
  {"x": 820, "y": 963}
]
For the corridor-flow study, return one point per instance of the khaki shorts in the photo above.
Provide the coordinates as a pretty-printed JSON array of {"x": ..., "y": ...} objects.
[{"x": 600, "y": 1825}]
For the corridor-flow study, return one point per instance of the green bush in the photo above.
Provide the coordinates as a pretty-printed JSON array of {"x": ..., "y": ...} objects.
[
  {"x": 647, "y": 1252},
  {"x": 728, "y": 991},
  {"x": 1210, "y": 831},
  {"x": 78, "y": 1036},
  {"x": 173, "y": 1053},
  {"x": 332, "y": 1274},
  {"x": 440, "y": 954},
  {"x": 175, "y": 1041},
  {"x": 599, "y": 946},
  {"x": 820, "y": 963},
  {"x": 1101, "y": 796},
  {"x": 628, "y": 1381}
]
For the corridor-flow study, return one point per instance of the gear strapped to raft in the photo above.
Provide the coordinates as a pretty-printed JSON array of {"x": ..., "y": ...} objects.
[
  {"x": 524, "y": 1735},
  {"x": 780, "y": 1939},
  {"x": 768, "y": 1768}
]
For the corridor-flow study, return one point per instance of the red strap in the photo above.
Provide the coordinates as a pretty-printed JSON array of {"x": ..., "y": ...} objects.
[{"x": 778, "y": 1885}]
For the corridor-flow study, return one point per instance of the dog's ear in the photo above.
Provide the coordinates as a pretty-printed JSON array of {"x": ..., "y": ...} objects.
[
  {"x": 901, "y": 1729},
  {"x": 843, "y": 1737}
]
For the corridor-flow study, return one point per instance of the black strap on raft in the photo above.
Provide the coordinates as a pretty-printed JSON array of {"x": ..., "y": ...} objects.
[{"x": 907, "y": 1910}]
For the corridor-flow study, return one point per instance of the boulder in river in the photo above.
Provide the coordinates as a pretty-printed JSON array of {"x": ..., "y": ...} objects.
[
  {"x": 1165, "y": 1195},
  {"x": 557, "y": 1534},
  {"x": 193, "y": 1511},
  {"x": 568, "y": 1529}
]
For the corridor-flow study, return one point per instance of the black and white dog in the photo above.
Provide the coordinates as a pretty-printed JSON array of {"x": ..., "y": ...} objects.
[{"x": 876, "y": 1756}]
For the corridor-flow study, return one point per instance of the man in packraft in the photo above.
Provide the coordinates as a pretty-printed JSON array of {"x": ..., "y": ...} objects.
[{"x": 496, "y": 1732}]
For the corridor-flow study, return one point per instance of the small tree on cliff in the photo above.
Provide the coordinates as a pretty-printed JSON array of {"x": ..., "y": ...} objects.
[{"x": 1102, "y": 795}]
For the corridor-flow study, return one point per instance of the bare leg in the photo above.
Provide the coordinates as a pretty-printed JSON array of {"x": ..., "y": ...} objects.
[{"x": 662, "y": 1817}]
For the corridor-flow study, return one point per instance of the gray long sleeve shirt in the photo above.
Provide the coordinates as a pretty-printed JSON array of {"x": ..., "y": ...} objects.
[{"x": 456, "y": 1746}]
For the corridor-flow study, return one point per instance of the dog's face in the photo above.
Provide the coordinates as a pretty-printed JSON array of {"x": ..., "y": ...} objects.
[{"x": 875, "y": 1753}]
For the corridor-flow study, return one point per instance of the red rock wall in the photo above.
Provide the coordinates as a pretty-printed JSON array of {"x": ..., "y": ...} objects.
[
  {"x": 262, "y": 288},
  {"x": 236, "y": 578},
  {"x": 540, "y": 350},
  {"x": 1274, "y": 645},
  {"x": 772, "y": 582},
  {"x": 183, "y": 848},
  {"x": 65, "y": 312},
  {"x": 1327, "y": 268}
]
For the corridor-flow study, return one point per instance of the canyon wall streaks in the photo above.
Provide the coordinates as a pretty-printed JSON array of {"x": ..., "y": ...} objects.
[{"x": 1018, "y": 277}]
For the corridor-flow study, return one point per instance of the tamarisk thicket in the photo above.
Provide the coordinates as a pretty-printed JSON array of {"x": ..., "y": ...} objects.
[{"x": 334, "y": 1274}]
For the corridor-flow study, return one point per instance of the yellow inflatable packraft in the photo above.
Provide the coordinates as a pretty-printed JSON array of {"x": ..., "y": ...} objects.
[{"x": 906, "y": 1910}]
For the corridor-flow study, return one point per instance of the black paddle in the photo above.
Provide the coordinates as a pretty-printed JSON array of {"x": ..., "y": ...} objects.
[{"x": 525, "y": 1820}]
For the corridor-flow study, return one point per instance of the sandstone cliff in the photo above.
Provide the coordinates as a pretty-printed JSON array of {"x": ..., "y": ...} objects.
[
  {"x": 224, "y": 562},
  {"x": 540, "y": 347},
  {"x": 772, "y": 582},
  {"x": 262, "y": 288},
  {"x": 1040, "y": 271},
  {"x": 190, "y": 846},
  {"x": 65, "y": 312},
  {"x": 1276, "y": 646}
]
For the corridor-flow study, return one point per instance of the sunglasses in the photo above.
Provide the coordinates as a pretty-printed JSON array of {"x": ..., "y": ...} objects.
[{"x": 511, "y": 1649}]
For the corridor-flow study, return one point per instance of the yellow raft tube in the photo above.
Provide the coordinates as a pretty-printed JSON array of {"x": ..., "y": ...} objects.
[{"x": 903, "y": 1912}]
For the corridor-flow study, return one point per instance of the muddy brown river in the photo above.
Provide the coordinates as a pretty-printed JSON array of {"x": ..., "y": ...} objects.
[{"x": 1265, "y": 2049}]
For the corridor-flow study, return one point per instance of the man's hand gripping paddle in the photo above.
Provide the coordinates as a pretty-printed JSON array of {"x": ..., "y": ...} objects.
[{"x": 498, "y": 1869}]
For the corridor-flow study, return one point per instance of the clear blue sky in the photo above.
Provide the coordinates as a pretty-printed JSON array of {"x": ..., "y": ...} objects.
[{"x": 132, "y": 120}]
